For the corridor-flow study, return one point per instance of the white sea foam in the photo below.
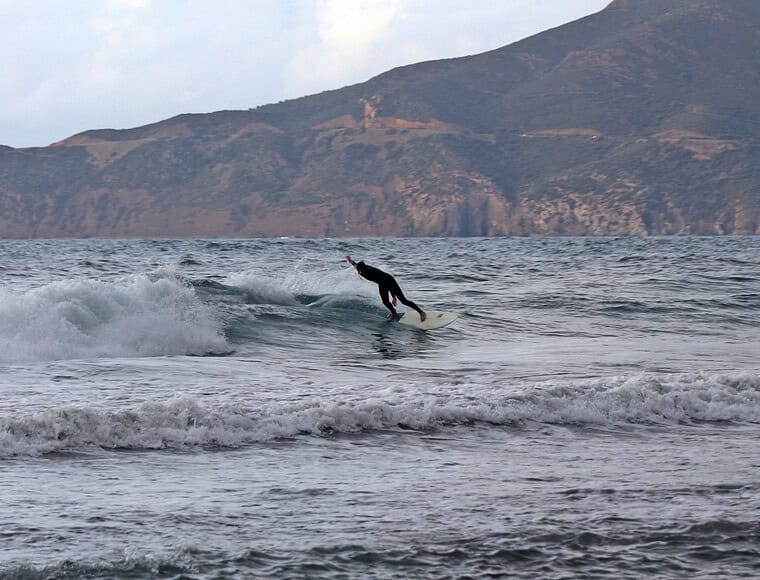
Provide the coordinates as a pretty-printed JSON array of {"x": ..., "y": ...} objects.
[
  {"x": 184, "y": 421},
  {"x": 136, "y": 316}
]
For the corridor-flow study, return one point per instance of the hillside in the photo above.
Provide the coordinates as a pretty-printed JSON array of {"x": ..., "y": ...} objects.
[{"x": 642, "y": 119}]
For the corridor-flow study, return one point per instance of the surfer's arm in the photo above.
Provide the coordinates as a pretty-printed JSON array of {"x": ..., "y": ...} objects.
[{"x": 350, "y": 261}]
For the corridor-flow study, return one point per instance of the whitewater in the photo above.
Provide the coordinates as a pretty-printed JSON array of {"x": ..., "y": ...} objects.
[{"x": 242, "y": 409}]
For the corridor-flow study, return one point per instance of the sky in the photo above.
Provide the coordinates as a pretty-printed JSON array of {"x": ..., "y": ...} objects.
[{"x": 73, "y": 65}]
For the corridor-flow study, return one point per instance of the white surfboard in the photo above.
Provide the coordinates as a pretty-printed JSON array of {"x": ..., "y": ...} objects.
[{"x": 435, "y": 319}]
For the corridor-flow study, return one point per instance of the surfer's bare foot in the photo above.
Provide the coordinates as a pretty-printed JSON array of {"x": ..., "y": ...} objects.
[{"x": 423, "y": 316}]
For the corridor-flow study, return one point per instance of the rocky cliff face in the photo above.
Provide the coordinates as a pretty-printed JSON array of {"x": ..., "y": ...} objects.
[{"x": 639, "y": 120}]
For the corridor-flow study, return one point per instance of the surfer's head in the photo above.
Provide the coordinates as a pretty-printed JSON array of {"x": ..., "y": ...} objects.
[{"x": 361, "y": 267}]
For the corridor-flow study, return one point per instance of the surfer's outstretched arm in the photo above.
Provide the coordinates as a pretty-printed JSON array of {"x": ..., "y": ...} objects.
[{"x": 350, "y": 261}]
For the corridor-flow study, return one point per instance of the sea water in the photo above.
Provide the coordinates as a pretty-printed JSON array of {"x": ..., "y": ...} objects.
[{"x": 241, "y": 408}]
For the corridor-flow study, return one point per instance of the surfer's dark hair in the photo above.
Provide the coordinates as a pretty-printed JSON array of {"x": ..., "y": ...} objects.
[{"x": 361, "y": 266}]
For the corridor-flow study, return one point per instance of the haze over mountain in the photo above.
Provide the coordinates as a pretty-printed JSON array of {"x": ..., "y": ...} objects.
[{"x": 641, "y": 119}]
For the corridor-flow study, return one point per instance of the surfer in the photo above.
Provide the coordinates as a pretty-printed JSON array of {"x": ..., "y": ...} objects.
[{"x": 387, "y": 285}]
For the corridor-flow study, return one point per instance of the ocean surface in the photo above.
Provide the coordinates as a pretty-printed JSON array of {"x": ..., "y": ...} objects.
[{"x": 242, "y": 409}]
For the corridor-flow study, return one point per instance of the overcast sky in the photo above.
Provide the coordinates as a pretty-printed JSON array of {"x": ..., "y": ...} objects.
[{"x": 73, "y": 65}]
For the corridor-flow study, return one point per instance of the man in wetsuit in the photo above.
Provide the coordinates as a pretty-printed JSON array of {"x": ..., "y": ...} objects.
[{"x": 387, "y": 285}]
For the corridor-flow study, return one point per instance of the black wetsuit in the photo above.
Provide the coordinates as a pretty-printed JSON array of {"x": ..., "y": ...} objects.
[{"x": 387, "y": 285}]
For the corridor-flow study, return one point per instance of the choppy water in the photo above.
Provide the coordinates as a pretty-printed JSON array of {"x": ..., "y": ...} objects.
[{"x": 219, "y": 408}]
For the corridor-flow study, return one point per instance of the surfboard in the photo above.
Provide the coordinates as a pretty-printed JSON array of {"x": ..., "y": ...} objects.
[{"x": 435, "y": 319}]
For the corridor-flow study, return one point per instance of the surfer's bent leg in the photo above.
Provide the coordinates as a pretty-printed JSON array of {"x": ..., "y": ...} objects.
[{"x": 404, "y": 300}]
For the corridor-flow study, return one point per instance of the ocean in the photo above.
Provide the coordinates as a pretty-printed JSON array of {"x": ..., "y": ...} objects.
[{"x": 242, "y": 409}]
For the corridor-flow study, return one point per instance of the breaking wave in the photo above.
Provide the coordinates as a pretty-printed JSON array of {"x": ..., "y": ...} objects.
[
  {"x": 183, "y": 422},
  {"x": 133, "y": 317}
]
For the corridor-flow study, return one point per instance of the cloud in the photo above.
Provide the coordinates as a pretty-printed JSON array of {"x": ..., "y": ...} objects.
[
  {"x": 350, "y": 25},
  {"x": 130, "y": 3},
  {"x": 119, "y": 39},
  {"x": 347, "y": 31}
]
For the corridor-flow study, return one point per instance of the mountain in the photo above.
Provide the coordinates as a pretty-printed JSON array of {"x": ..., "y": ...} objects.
[{"x": 642, "y": 119}]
